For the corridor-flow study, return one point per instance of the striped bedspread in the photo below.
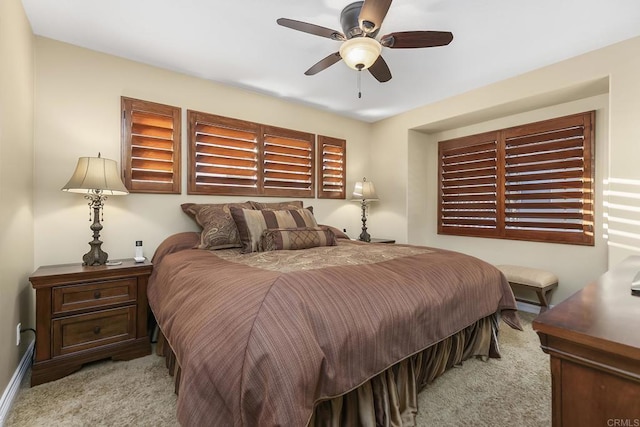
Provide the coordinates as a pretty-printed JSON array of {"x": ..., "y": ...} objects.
[{"x": 262, "y": 337}]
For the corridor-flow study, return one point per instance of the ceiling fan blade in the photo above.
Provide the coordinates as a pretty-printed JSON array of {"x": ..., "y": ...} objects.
[
  {"x": 380, "y": 70},
  {"x": 316, "y": 30},
  {"x": 323, "y": 64},
  {"x": 416, "y": 39},
  {"x": 372, "y": 14}
]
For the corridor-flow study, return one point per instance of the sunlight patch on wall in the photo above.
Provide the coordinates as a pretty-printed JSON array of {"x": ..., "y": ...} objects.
[{"x": 622, "y": 213}]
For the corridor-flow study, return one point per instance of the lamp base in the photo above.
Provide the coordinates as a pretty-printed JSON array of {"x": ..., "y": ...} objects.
[
  {"x": 364, "y": 236},
  {"x": 96, "y": 256}
]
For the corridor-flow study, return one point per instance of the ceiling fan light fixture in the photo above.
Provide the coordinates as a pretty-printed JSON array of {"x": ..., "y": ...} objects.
[{"x": 359, "y": 53}]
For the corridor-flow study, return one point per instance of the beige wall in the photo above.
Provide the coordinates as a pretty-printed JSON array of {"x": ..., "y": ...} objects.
[
  {"x": 403, "y": 155},
  {"x": 16, "y": 183},
  {"x": 77, "y": 106}
]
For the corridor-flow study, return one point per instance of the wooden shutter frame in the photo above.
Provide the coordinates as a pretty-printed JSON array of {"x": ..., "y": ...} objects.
[
  {"x": 587, "y": 189},
  {"x": 587, "y": 122},
  {"x": 128, "y": 106},
  {"x": 194, "y": 117},
  {"x": 306, "y": 137},
  {"x": 342, "y": 144},
  {"x": 456, "y": 144}
]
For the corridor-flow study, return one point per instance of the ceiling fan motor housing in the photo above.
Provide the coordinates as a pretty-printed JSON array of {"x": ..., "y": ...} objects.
[{"x": 349, "y": 20}]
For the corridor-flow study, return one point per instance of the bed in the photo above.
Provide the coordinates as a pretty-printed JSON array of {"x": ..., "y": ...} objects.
[{"x": 344, "y": 333}]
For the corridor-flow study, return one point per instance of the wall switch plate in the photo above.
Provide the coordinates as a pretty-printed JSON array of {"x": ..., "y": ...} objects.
[{"x": 18, "y": 328}]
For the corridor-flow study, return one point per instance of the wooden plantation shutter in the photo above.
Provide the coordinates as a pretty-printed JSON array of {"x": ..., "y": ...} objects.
[
  {"x": 332, "y": 167},
  {"x": 151, "y": 136},
  {"x": 531, "y": 182},
  {"x": 235, "y": 157},
  {"x": 468, "y": 183},
  {"x": 548, "y": 180},
  {"x": 223, "y": 155},
  {"x": 288, "y": 165}
]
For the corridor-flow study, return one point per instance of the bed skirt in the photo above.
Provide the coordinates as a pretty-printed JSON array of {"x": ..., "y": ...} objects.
[{"x": 389, "y": 399}]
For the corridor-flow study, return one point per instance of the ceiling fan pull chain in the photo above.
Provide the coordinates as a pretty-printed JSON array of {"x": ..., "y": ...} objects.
[{"x": 359, "y": 83}]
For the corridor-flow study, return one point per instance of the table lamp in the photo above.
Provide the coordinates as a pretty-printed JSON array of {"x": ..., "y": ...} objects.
[{"x": 96, "y": 178}]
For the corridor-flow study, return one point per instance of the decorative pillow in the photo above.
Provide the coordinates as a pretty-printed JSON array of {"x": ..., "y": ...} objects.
[
  {"x": 219, "y": 230},
  {"x": 252, "y": 223},
  {"x": 276, "y": 239},
  {"x": 292, "y": 204},
  {"x": 339, "y": 233}
]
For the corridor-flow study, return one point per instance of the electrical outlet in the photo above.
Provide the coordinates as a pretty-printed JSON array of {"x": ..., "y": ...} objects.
[{"x": 18, "y": 328}]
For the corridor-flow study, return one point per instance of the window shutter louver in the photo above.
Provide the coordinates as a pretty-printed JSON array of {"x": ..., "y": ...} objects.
[
  {"x": 548, "y": 184},
  {"x": 223, "y": 155},
  {"x": 288, "y": 168},
  {"x": 531, "y": 182},
  {"x": 468, "y": 183},
  {"x": 332, "y": 158},
  {"x": 151, "y": 135}
]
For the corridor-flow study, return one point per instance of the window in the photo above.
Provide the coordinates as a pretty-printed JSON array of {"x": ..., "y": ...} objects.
[
  {"x": 150, "y": 146},
  {"x": 532, "y": 182},
  {"x": 234, "y": 157},
  {"x": 223, "y": 155},
  {"x": 332, "y": 160},
  {"x": 288, "y": 162},
  {"x": 469, "y": 185}
]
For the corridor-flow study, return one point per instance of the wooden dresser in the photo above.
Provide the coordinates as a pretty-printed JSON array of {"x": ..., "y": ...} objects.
[
  {"x": 593, "y": 339},
  {"x": 85, "y": 314}
]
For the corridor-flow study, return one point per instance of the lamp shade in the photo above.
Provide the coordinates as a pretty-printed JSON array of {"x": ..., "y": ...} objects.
[
  {"x": 360, "y": 53},
  {"x": 364, "y": 190},
  {"x": 96, "y": 173}
]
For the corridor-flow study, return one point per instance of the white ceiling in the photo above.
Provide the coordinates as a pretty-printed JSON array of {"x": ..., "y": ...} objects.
[{"x": 238, "y": 42}]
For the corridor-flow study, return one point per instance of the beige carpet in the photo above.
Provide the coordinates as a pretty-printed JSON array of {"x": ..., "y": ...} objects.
[{"x": 512, "y": 391}]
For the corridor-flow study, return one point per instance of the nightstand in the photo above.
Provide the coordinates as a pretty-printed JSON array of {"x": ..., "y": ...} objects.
[
  {"x": 374, "y": 240},
  {"x": 88, "y": 313}
]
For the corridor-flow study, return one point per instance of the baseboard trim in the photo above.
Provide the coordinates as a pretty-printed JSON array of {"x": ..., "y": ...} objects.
[
  {"x": 529, "y": 308},
  {"x": 11, "y": 391}
]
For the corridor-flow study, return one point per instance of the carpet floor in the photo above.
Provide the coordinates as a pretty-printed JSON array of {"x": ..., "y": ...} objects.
[{"x": 513, "y": 390}]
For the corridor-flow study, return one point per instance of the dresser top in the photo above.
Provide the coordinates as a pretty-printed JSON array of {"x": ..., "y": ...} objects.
[{"x": 603, "y": 315}]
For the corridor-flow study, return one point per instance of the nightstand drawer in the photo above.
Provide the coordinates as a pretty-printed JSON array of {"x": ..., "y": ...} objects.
[
  {"x": 76, "y": 333},
  {"x": 93, "y": 294}
]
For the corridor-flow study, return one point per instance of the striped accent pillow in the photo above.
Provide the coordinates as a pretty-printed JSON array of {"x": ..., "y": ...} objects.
[
  {"x": 252, "y": 223},
  {"x": 276, "y": 239}
]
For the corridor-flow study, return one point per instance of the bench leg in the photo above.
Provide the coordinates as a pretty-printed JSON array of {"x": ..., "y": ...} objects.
[{"x": 542, "y": 296}]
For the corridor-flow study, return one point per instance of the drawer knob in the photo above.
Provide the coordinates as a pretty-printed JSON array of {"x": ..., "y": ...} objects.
[
  {"x": 96, "y": 294},
  {"x": 96, "y": 330}
]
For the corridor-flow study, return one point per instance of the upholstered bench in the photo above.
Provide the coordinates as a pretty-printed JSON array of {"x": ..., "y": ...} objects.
[{"x": 540, "y": 281}]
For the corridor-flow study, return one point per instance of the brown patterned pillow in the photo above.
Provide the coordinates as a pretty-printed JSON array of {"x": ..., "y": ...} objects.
[
  {"x": 219, "y": 230},
  {"x": 338, "y": 233},
  {"x": 276, "y": 239},
  {"x": 291, "y": 204},
  {"x": 252, "y": 223}
]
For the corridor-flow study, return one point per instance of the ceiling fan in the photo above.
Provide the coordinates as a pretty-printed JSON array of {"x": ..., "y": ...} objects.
[{"x": 360, "y": 49}]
